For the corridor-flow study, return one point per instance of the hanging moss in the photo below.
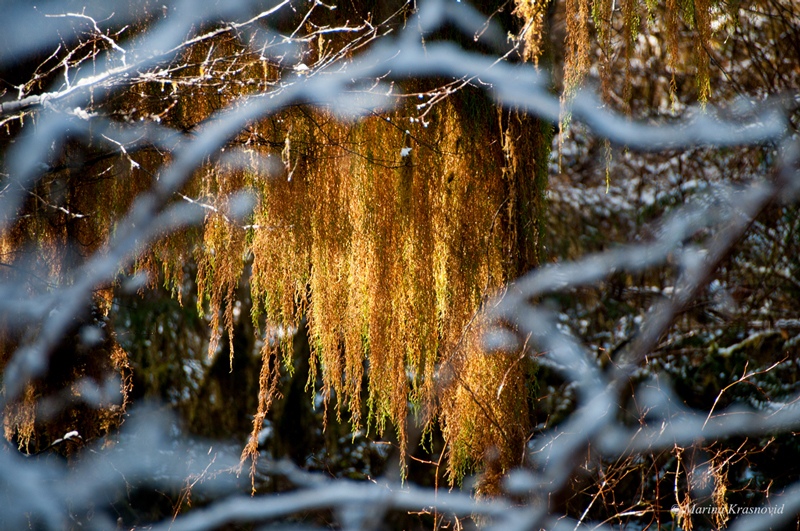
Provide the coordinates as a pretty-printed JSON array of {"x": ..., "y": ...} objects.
[
  {"x": 387, "y": 234},
  {"x": 389, "y": 237}
]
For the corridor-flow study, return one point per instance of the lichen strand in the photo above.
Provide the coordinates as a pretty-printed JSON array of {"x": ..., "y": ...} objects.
[
  {"x": 533, "y": 13},
  {"x": 576, "y": 56},
  {"x": 702, "y": 16},
  {"x": 488, "y": 424},
  {"x": 19, "y": 420},
  {"x": 220, "y": 260},
  {"x": 671, "y": 23}
]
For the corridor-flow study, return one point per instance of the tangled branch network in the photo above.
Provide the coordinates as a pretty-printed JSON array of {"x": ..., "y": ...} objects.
[{"x": 49, "y": 494}]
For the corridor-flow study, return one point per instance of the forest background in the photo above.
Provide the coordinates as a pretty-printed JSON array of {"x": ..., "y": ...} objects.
[{"x": 388, "y": 252}]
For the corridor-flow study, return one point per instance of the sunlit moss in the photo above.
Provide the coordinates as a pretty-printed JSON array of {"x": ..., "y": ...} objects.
[{"x": 388, "y": 236}]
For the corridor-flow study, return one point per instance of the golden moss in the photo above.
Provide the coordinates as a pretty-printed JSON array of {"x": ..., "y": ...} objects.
[
  {"x": 671, "y": 24},
  {"x": 387, "y": 235},
  {"x": 489, "y": 424},
  {"x": 702, "y": 15},
  {"x": 576, "y": 58},
  {"x": 19, "y": 418},
  {"x": 533, "y": 13},
  {"x": 581, "y": 15},
  {"x": 220, "y": 259},
  {"x": 64, "y": 219}
]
